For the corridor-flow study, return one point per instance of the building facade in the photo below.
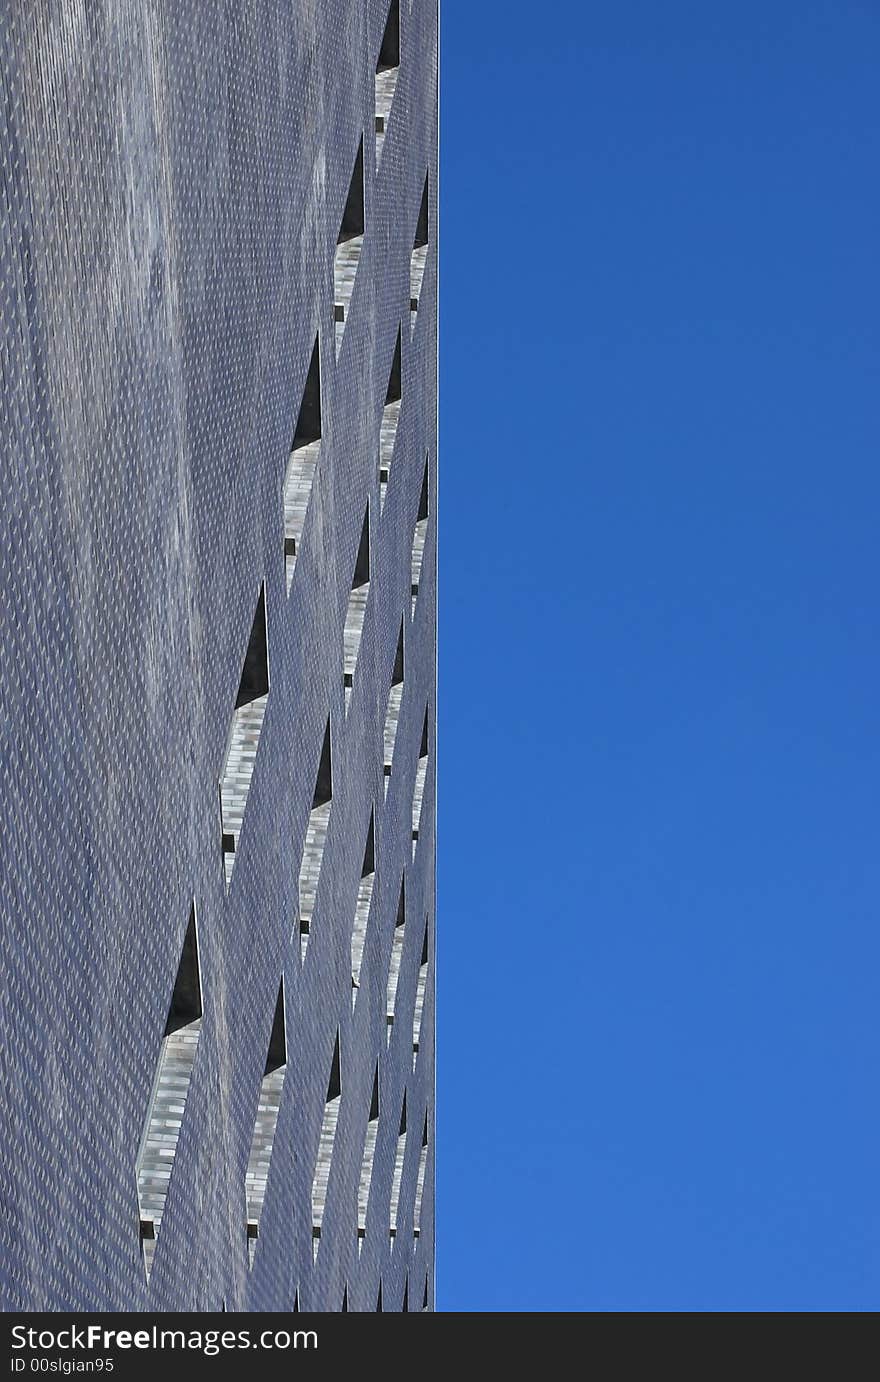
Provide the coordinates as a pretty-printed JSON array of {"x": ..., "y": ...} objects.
[{"x": 218, "y": 265}]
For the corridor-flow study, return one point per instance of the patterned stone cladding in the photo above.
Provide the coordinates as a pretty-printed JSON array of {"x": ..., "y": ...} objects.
[{"x": 173, "y": 180}]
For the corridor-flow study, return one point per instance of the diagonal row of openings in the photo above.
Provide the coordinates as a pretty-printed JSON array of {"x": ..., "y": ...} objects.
[
  {"x": 302, "y": 465},
  {"x": 263, "y": 1140},
  {"x": 177, "y": 1056},
  {"x": 244, "y": 735},
  {"x": 418, "y": 258},
  {"x": 420, "y": 533},
  {"x": 390, "y": 419},
  {"x": 349, "y": 244},
  {"x": 362, "y": 909},
  {"x": 369, "y": 1156},
  {"x": 316, "y": 838},
  {"x": 387, "y": 71},
  {"x": 329, "y": 1124},
  {"x": 356, "y": 610},
  {"x": 392, "y": 711}
]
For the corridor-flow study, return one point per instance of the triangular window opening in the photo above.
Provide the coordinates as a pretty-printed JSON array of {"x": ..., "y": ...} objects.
[
  {"x": 302, "y": 464},
  {"x": 349, "y": 244},
  {"x": 366, "y": 1178},
  {"x": 418, "y": 258},
  {"x": 423, "y": 497},
  {"x": 396, "y": 959},
  {"x": 419, "y": 786},
  {"x": 420, "y": 533},
  {"x": 397, "y": 1178},
  {"x": 390, "y": 420},
  {"x": 425, "y": 1297},
  {"x": 374, "y": 1097},
  {"x": 387, "y": 69},
  {"x": 316, "y": 838},
  {"x": 352, "y": 224},
  {"x": 308, "y": 422},
  {"x": 276, "y": 1055},
  {"x": 389, "y": 52},
  {"x": 324, "y": 780},
  {"x": 244, "y": 736},
  {"x": 186, "y": 996},
  {"x": 421, "y": 987},
  {"x": 254, "y": 681},
  {"x": 164, "y": 1119},
  {"x": 362, "y": 908},
  {"x": 330, "y": 1121},
  {"x": 334, "y": 1084},
  {"x": 266, "y": 1122},
  {"x": 420, "y": 1183},
  {"x": 392, "y": 711},
  {"x": 379, "y": 1299},
  {"x": 357, "y": 608}
]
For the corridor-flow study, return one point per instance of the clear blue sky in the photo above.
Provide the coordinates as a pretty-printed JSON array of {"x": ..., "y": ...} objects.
[{"x": 659, "y": 765}]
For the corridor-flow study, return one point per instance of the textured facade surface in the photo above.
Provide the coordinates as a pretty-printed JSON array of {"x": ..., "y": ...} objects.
[{"x": 218, "y": 269}]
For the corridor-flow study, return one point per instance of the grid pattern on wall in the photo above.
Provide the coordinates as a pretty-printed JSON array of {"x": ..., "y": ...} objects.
[{"x": 218, "y": 275}]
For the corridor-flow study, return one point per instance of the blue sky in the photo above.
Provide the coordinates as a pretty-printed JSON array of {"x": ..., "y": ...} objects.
[{"x": 658, "y": 938}]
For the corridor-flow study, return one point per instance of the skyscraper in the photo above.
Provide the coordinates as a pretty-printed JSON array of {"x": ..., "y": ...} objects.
[{"x": 218, "y": 265}]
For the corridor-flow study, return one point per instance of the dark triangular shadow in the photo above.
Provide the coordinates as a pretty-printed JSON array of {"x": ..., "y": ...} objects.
[
  {"x": 421, "y": 235},
  {"x": 308, "y": 423},
  {"x": 389, "y": 52},
  {"x": 353, "y": 213},
  {"x": 324, "y": 780},
  {"x": 423, "y": 497},
  {"x": 369, "y": 864},
  {"x": 362, "y": 561},
  {"x": 400, "y": 919},
  {"x": 398, "y": 668},
  {"x": 395, "y": 379},
  {"x": 277, "y": 1053},
  {"x": 423, "y": 745},
  {"x": 186, "y": 996},
  {"x": 255, "y": 672},
  {"x": 334, "y": 1087}
]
